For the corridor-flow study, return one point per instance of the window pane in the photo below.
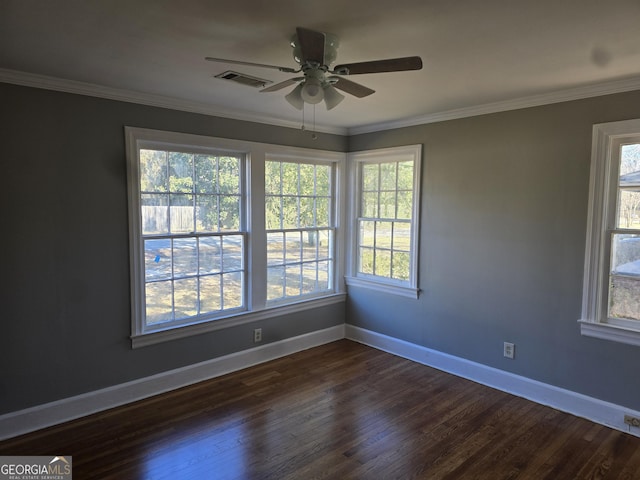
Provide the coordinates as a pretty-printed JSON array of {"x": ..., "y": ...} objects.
[
  {"x": 400, "y": 265},
  {"x": 323, "y": 182},
  {"x": 294, "y": 280},
  {"x": 629, "y": 209},
  {"x": 289, "y": 178},
  {"x": 229, "y": 175},
  {"x": 185, "y": 294},
  {"x": 272, "y": 185},
  {"x": 402, "y": 236},
  {"x": 207, "y": 213},
  {"x": 157, "y": 259},
  {"x": 180, "y": 172},
  {"x": 209, "y": 261},
  {"x": 324, "y": 244},
  {"x": 388, "y": 176},
  {"x": 383, "y": 263},
  {"x": 387, "y": 205},
  {"x": 229, "y": 213},
  {"x": 624, "y": 293},
  {"x": 154, "y": 213},
  {"x": 273, "y": 213},
  {"x": 159, "y": 302},
  {"x": 153, "y": 171},
  {"x": 625, "y": 254},
  {"x": 290, "y": 212},
  {"x": 307, "y": 179},
  {"x": 624, "y": 288},
  {"x": 275, "y": 283},
  {"x": 210, "y": 300},
  {"x": 181, "y": 213},
  {"x": 323, "y": 209},
  {"x": 307, "y": 206},
  {"x": 383, "y": 234},
  {"x": 367, "y": 233},
  {"x": 309, "y": 272},
  {"x": 310, "y": 244},
  {"x": 232, "y": 253},
  {"x": 275, "y": 248},
  {"x": 185, "y": 257},
  {"x": 232, "y": 290},
  {"x": 629, "y": 163},
  {"x": 405, "y": 176},
  {"x": 324, "y": 276},
  {"x": 370, "y": 204},
  {"x": 293, "y": 247},
  {"x": 206, "y": 173},
  {"x": 366, "y": 260},
  {"x": 370, "y": 177},
  {"x": 404, "y": 205}
]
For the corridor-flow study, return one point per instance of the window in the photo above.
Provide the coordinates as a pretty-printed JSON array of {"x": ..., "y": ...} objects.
[
  {"x": 611, "y": 296},
  {"x": 384, "y": 213},
  {"x": 300, "y": 229},
  {"x": 200, "y": 260}
]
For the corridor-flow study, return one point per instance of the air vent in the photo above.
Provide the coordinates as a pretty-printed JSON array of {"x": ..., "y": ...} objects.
[{"x": 244, "y": 79}]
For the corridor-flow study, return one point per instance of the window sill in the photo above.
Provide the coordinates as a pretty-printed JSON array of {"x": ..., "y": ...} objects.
[
  {"x": 409, "y": 292},
  {"x": 610, "y": 332},
  {"x": 173, "y": 333}
]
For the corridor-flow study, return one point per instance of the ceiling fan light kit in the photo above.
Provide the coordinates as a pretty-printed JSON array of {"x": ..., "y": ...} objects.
[{"x": 315, "y": 52}]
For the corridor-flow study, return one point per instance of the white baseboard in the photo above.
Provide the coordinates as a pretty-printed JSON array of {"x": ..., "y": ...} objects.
[
  {"x": 41, "y": 416},
  {"x": 592, "y": 409}
]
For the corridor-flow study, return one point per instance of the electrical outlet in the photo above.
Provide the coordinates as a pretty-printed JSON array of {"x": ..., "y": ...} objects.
[
  {"x": 257, "y": 335},
  {"x": 633, "y": 421},
  {"x": 509, "y": 350}
]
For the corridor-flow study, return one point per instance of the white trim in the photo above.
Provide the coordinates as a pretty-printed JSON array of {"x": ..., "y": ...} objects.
[
  {"x": 593, "y": 409},
  {"x": 607, "y": 331},
  {"x": 151, "y": 338},
  {"x": 411, "y": 153},
  {"x": 41, "y": 416},
  {"x": 408, "y": 292},
  {"x": 92, "y": 90},
  {"x": 83, "y": 88},
  {"x": 256, "y": 153},
  {"x": 565, "y": 95},
  {"x": 606, "y": 138}
]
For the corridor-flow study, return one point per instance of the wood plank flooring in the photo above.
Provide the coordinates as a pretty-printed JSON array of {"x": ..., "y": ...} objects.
[{"x": 339, "y": 411}]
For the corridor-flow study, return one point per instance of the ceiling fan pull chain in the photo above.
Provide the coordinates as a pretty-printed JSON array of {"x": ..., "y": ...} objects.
[
  {"x": 313, "y": 131},
  {"x": 303, "y": 127}
]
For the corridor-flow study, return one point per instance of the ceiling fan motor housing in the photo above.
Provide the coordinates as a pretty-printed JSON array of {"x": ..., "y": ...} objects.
[{"x": 331, "y": 44}]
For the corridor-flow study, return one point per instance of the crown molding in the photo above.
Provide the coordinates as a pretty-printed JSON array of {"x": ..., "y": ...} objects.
[
  {"x": 92, "y": 90},
  {"x": 565, "y": 95}
]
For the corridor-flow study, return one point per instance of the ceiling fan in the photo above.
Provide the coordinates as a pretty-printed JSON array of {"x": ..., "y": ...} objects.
[{"x": 315, "y": 52}]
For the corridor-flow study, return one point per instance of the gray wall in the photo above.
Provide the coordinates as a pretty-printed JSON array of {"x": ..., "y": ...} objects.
[
  {"x": 503, "y": 225},
  {"x": 64, "y": 303},
  {"x": 504, "y": 205}
]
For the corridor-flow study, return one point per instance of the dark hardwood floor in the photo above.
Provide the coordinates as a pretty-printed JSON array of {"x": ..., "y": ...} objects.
[{"x": 343, "y": 411}]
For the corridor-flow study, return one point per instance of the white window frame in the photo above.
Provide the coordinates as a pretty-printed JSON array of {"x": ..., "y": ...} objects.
[
  {"x": 356, "y": 160},
  {"x": 332, "y": 225},
  {"x": 256, "y": 246},
  {"x": 603, "y": 189}
]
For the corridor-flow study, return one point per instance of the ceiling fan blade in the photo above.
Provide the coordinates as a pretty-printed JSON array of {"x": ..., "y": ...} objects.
[
  {"x": 311, "y": 45},
  {"x": 251, "y": 64},
  {"x": 281, "y": 85},
  {"x": 379, "y": 66},
  {"x": 348, "y": 86}
]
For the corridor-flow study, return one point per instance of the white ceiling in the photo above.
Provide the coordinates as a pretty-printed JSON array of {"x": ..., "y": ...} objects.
[{"x": 475, "y": 52}]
